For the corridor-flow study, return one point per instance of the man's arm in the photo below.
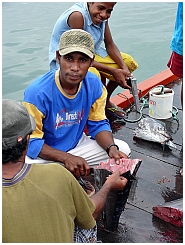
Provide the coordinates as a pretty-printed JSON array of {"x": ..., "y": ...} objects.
[
  {"x": 113, "y": 182},
  {"x": 121, "y": 74},
  {"x": 75, "y": 20},
  {"x": 113, "y": 50},
  {"x": 105, "y": 139},
  {"x": 76, "y": 165}
]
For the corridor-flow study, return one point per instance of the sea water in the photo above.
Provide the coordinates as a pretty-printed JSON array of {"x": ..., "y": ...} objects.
[{"x": 141, "y": 29}]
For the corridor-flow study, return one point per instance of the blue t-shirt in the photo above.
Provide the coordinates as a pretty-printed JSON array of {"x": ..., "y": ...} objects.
[
  {"x": 177, "y": 38},
  {"x": 97, "y": 31},
  {"x": 61, "y": 118}
]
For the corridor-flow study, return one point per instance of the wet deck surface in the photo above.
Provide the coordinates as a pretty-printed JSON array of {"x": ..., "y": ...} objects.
[{"x": 158, "y": 180}]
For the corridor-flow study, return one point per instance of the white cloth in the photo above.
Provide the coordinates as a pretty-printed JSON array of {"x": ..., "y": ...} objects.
[{"x": 90, "y": 151}]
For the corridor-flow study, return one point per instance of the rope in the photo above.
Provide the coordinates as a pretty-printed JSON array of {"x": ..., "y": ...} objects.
[
  {"x": 174, "y": 113},
  {"x": 140, "y": 113}
]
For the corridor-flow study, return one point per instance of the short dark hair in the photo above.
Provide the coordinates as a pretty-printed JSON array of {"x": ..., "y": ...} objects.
[{"x": 13, "y": 153}]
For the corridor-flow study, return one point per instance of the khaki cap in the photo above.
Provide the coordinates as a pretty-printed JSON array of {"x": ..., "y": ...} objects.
[{"x": 76, "y": 40}]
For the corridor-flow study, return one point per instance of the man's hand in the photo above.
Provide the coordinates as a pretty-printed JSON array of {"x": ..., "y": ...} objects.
[
  {"x": 116, "y": 181},
  {"x": 120, "y": 76},
  {"x": 76, "y": 165},
  {"x": 116, "y": 154},
  {"x": 113, "y": 182}
]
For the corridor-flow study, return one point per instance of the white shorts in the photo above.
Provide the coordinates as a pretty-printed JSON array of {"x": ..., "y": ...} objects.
[{"x": 89, "y": 149}]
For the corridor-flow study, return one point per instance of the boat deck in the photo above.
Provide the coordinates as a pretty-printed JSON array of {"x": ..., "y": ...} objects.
[{"x": 157, "y": 181}]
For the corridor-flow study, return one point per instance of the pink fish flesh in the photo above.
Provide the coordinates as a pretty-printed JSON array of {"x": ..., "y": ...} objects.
[
  {"x": 124, "y": 166},
  {"x": 171, "y": 212}
]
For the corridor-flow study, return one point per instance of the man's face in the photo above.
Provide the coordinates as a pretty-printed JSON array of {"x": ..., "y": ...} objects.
[
  {"x": 73, "y": 68},
  {"x": 100, "y": 11}
]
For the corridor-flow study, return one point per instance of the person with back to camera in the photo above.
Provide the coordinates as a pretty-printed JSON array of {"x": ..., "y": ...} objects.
[
  {"x": 64, "y": 102},
  {"x": 112, "y": 65},
  {"x": 43, "y": 202}
]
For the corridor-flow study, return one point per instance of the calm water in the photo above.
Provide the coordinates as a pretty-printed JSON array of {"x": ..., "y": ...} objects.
[{"x": 143, "y": 30}]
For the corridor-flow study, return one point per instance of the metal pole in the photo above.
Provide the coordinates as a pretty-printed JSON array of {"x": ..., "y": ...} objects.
[{"x": 134, "y": 92}]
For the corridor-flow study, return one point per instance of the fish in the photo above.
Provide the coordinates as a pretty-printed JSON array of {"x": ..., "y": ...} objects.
[
  {"x": 151, "y": 130},
  {"x": 125, "y": 165},
  {"x": 116, "y": 201},
  {"x": 171, "y": 212}
]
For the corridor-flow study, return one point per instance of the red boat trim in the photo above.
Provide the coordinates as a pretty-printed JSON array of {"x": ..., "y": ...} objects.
[{"x": 163, "y": 78}]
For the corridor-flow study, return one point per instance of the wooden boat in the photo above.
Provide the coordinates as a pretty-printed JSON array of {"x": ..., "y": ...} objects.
[
  {"x": 163, "y": 78},
  {"x": 158, "y": 179}
]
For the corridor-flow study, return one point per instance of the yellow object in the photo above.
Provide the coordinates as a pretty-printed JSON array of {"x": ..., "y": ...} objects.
[{"x": 108, "y": 61}]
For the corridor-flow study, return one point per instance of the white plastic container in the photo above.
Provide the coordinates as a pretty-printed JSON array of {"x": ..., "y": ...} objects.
[{"x": 160, "y": 105}]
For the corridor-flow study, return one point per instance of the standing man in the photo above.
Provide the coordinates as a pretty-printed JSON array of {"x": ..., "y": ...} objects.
[
  {"x": 65, "y": 101},
  {"x": 41, "y": 203},
  {"x": 175, "y": 62}
]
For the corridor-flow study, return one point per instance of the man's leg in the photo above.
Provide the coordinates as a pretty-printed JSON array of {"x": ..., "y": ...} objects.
[
  {"x": 37, "y": 160},
  {"x": 182, "y": 94},
  {"x": 93, "y": 153},
  {"x": 84, "y": 235},
  {"x": 89, "y": 150},
  {"x": 112, "y": 85}
]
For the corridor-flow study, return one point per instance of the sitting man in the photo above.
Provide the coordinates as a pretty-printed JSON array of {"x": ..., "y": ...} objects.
[
  {"x": 42, "y": 203},
  {"x": 113, "y": 65},
  {"x": 66, "y": 101}
]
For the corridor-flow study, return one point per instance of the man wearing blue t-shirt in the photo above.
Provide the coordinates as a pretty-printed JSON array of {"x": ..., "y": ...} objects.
[{"x": 63, "y": 103}]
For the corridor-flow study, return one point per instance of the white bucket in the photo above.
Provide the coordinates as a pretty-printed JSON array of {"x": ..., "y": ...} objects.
[{"x": 160, "y": 105}]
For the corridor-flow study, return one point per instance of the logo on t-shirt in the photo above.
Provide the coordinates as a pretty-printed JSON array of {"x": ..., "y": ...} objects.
[{"x": 66, "y": 119}]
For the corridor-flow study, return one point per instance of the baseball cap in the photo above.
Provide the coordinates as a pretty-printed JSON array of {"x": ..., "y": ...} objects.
[
  {"x": 76, "y": 40},
  {"x": 16, "y": 122}
]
